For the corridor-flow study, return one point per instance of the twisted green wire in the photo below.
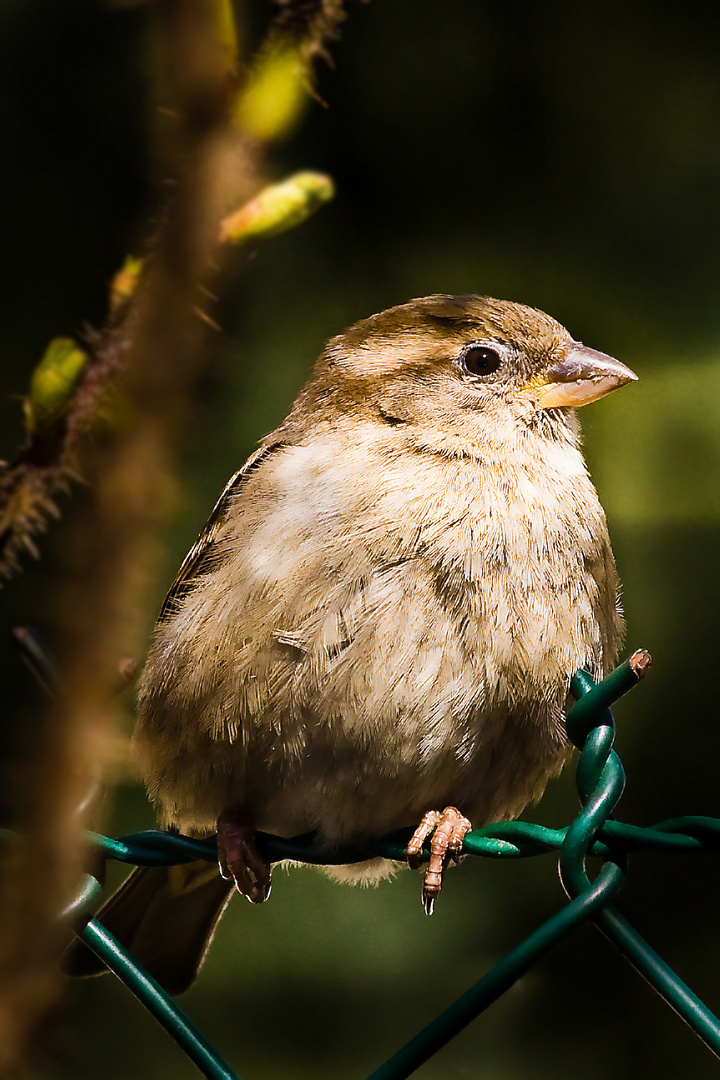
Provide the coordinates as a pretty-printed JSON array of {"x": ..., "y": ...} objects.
[{"x": 600, "y": 781}]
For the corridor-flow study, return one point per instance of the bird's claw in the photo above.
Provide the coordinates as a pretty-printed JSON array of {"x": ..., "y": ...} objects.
[
  {"x": 239, "y": 858},
  {"x": 450, "y": 829}
]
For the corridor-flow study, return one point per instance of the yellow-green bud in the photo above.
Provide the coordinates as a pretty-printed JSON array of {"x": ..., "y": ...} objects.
[
  {"x": 124, "y": 283},
  {"x": 53, "y": 384},
  {"x": 226, "y": 31},
  {"x": 276, "y": 94},
  {"x": 278, "y": 207}
]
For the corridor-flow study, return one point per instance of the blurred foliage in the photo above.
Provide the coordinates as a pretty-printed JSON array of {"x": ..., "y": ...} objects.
[
  {"x": 564, "y": 155},
  {"x": 273, "y": 102},
  {"x": 52, "y": 384}
]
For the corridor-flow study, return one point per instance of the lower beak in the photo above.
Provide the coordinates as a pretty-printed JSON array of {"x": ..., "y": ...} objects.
[{"x": 582, "y": 376}]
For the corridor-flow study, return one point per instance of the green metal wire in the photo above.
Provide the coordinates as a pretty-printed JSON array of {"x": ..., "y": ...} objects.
[
  {"x": 600, "y": 780},
  {"x": 154, "y": 998},
  {"x": 499, "y": 979}
]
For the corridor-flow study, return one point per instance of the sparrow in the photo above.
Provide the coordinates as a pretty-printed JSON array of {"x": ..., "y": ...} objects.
[{"x": 377, "y": 628}]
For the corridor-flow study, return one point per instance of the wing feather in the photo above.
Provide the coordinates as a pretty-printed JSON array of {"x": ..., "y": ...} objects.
[{"x": 196, "y": 557}]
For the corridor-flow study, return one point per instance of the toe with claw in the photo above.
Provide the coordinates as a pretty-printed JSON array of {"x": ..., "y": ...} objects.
[
  {"x": 239, "y": 858},
  {"x": 450, "y": 829}
]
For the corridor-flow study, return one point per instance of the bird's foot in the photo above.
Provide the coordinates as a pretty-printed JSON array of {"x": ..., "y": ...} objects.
[
  {"x": 239, "y": 859},
  {"x": 451, "y": 828}
]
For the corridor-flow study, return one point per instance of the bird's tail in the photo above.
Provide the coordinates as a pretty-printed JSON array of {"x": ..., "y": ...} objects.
[{"x": 166, "y": 917}]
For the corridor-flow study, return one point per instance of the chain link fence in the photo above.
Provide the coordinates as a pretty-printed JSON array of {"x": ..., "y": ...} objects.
[{"x": 594, "y": 832}]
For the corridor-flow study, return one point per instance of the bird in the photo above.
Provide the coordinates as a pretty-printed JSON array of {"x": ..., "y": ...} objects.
[{"x": 377, "y": 628}]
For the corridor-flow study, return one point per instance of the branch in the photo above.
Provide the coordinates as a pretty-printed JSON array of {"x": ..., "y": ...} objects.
[{"x": 152, "y": 351}]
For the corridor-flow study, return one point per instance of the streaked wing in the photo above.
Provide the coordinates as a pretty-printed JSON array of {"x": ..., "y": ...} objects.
[{"x": 193, "y": 562}]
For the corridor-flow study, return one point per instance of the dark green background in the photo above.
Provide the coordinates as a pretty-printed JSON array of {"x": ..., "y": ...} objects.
[{"x": 560, "y": 154}]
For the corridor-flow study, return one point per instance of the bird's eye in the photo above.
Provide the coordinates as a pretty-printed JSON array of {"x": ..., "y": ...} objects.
[{"x": 481, "y": 360}]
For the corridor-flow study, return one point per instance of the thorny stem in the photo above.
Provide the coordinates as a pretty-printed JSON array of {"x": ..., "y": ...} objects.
[{"x": 159, "y": 348}]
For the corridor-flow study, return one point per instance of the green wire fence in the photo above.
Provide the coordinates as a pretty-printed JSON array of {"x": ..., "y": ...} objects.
[{"x": 600, "y": 781}]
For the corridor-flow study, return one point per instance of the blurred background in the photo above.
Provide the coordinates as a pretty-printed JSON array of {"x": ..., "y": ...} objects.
[{"x": 562, "y": 155}]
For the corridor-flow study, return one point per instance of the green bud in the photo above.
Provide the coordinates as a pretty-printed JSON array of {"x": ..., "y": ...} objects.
[
  {"x": 124, "y": 283},
  {"x": 278, "y": 207},
  {"x": 226, "y": 31},
  {"x": 53, "y": 385},
  {"x": 272, "y": 103}
]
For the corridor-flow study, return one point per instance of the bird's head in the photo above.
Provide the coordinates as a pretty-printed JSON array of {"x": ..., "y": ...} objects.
[{"x": 463, "y": 365}]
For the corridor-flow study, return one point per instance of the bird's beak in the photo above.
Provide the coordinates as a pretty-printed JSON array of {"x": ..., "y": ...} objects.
[{"x": 582, "y": 376}]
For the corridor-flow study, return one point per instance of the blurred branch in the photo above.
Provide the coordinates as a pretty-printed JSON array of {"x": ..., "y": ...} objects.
[
  {"x": 65, "y": 391},
  {"x": 314, "y": 24},
  {"x": 275, "y": 209},
  {"x": 70, "y": 382},
  {"x": 152, "y": 351}
]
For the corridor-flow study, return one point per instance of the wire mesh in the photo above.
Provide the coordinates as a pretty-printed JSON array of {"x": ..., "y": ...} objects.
[{"x": 593, "y": 832}]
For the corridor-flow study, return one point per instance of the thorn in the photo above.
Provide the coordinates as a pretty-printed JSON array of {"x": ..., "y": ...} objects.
[
  {"x": 207, "y": 319},
  {"x": 206, "y": 292},
  {"x": 36, "y": 657},
  {"x": 31, "y": 547},
  {"x": 127, "y": 669}
]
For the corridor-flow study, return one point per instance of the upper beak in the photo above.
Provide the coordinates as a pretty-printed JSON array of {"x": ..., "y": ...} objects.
[{"x": 583, "y": 375}]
